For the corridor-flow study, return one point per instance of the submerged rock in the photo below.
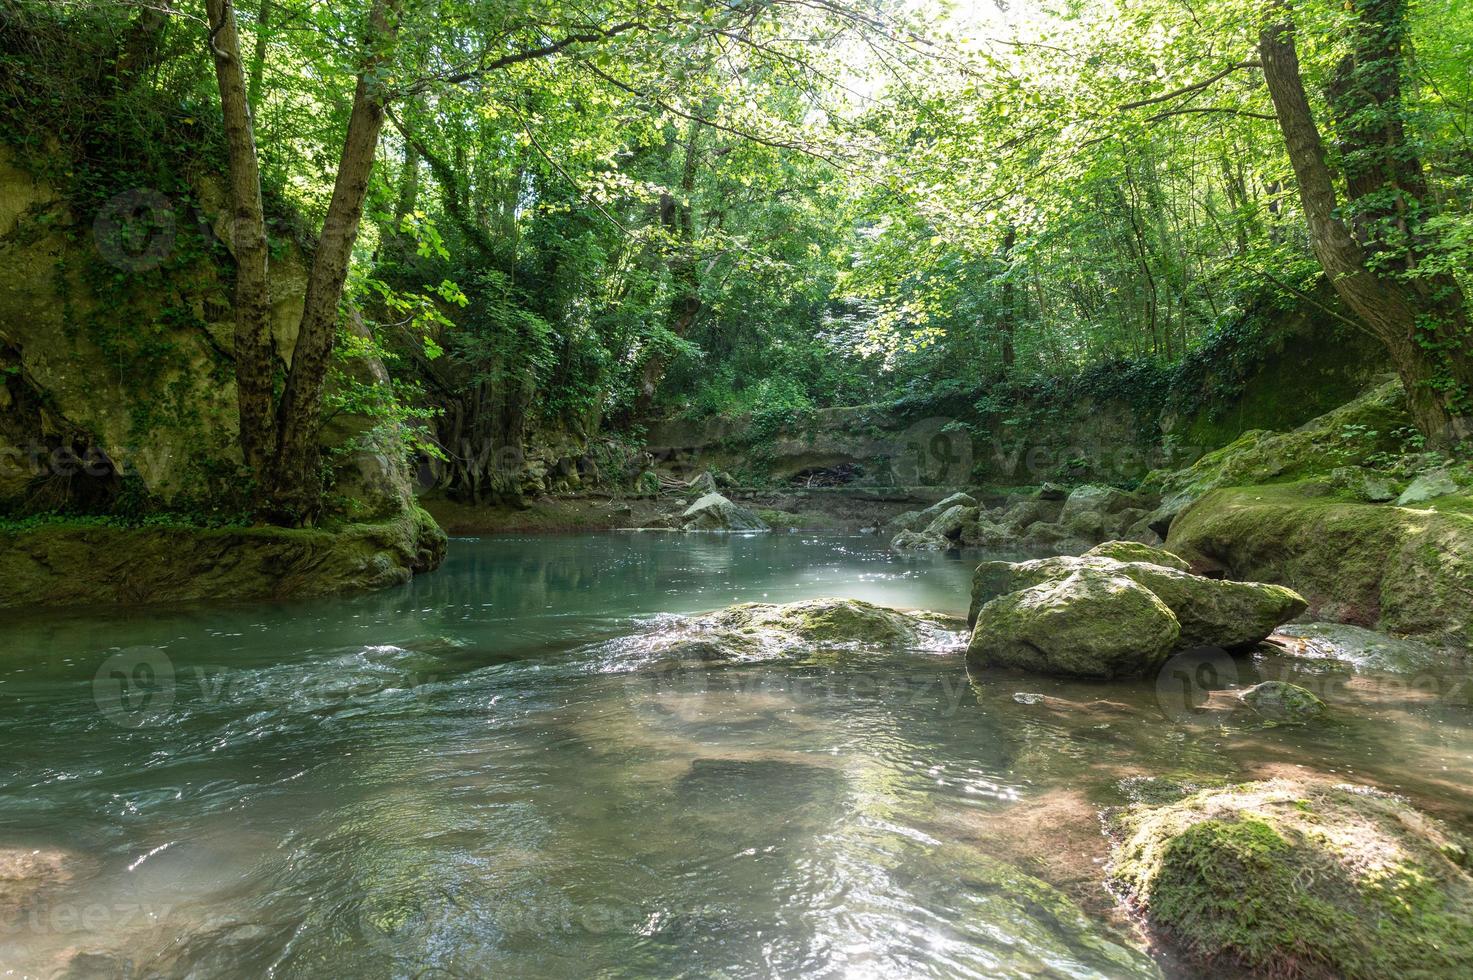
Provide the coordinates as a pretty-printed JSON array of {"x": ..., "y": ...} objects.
[
  {"x": 1095, "y": 622},
  {"x": 1135, "y": 551},
  {"x": 1282, "y": 701},
  {"x": 713, "y": 512},
  {"x": 1362, "y": 648},
  {"x": 25, "y": 873},
  {"x": 1043, "y": 932},
  {"x": 764, "y": 631},
  {"x": 1290, "y": 878}
]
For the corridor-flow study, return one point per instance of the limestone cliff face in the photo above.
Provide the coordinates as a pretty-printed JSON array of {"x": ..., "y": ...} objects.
[{"x": 116, "y": 371}]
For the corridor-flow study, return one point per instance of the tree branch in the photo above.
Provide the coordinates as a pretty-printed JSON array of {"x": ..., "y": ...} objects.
[{"x": 1188, "y": 89}]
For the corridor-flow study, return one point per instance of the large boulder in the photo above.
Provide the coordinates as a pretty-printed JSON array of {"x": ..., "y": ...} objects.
[
  {"x": 1428, "y": 486},
  {"x": 1301, "y": 879},
  {"x": 1030, "y": 511},
  {"x": 713, "y": 512},
  {"x": 1094, "y": 499},
  {"x": 1093, "y": 623},
  {"x": 1403, "y": 570},
  {"x": 1211, "y": 612},
  {"x": 934, "y": 511},
  {"x": 949, "y": 523}
]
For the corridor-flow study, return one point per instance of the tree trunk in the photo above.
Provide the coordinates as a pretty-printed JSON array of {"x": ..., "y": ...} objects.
[
  {"x": 678, "y": 216},
  {"x": 296, "y": 481},
  {"x": 253, "y": 354},
  {"x": 258, "y": 59},
  {"x": 1422, "y": 320},
  {"x": 1008, "y": 325}
]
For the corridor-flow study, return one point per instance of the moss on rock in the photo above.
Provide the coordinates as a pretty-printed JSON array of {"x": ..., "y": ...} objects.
[
  {"x": 1404, "y": 570},
  {"x": 70, "y": 564},
  {"x": 1211, "y": 612},
  {"x": 1096, "y": 622},
  {"x": 1135, "y": 551},
  {"x": 1280, "y": 701},
  {"x": 1301, "y": 879}
]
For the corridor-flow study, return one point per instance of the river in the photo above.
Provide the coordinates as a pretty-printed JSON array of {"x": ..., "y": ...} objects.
[{"x": 467, "y": 777}]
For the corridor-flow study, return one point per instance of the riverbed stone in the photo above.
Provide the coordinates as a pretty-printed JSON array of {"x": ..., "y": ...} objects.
[
  {"x": 1095, "y": 622},
  {"x": 765, "y": 631},
  {"x": 714, "y": 512},
  {"x": 919, "y": 541},
  {"x": 949, "y": 523},
  {"x": 1025, "y": 513},
  {"x": 1300, "y": 878},
  {"x": 1281, "y": 701}
]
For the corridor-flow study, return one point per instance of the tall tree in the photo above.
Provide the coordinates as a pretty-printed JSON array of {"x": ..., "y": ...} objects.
[{"x": 1374, "y": 250}]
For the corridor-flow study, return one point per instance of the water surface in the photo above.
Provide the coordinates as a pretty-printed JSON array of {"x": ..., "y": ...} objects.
[{"x": 461, "y": 778}]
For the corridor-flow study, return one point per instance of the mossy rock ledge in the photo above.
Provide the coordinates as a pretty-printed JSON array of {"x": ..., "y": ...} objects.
[
  {"x": 1300, "y": 879},
  {"x": 74, "y": 564}
]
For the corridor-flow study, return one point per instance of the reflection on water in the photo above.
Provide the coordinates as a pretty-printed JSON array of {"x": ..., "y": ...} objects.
[{"x": 454, "y": 779}]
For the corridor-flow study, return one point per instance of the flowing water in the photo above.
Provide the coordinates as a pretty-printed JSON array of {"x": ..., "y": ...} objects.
[{"x": 464, "y": 778}]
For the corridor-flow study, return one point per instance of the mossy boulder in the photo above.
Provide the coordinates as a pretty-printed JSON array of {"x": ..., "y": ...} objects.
[
  {"x": 1097, "y": 499},
  {"x": 1402, "y": 570},
  {"x": 1095, "y": 622},
  {"x": 1301, "y": 879},
  {"x": 1210, "y": 612},
  {"x": 1280, "y": 701},
  {"x": 82, "y": 563},
  {"x": 1135, "y": 551},
  {"x": 958, "y": 499}
]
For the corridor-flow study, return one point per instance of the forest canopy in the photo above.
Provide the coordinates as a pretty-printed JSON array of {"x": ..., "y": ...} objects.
[{"x": 585, "y": 216}]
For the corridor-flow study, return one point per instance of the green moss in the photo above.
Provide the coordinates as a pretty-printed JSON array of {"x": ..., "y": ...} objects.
[
  {"x": 1300, "y": 879},
  {"x": 1406, "y": 570},
  {"x": 96, "y": 561}
]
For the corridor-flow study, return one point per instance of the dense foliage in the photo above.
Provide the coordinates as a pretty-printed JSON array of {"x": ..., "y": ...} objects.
[{"x": 579, "y": 217}]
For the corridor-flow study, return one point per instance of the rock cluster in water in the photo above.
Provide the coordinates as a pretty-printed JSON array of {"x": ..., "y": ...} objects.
[
  {"x": 1049, "y": 519},
  {"x": 1100, "y": 616}
]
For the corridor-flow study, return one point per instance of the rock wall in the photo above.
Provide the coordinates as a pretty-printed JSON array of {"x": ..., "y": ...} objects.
[
  {"x": 116, "y": 379},
  {"x": 1302, "y": 364}
]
